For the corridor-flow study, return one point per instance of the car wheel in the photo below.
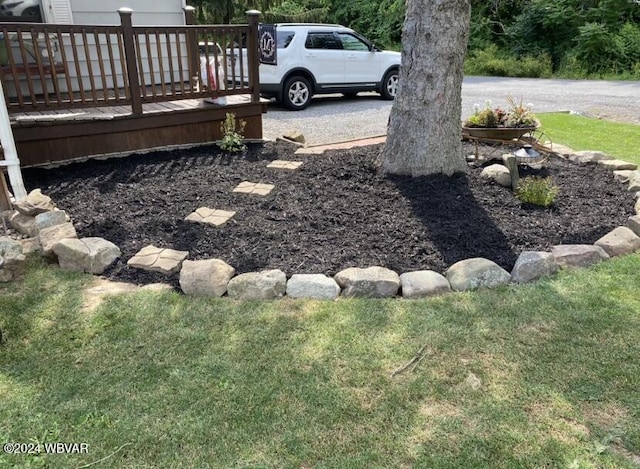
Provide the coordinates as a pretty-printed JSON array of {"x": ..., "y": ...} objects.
[
  {"x": 31, "y": 11},
  {"x": 390, "y": 85},
  {"x": 297, "y": 93}
]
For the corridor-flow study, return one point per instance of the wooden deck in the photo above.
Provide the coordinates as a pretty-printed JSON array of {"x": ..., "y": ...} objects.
[
  {"x": 81, "y": 91},
  {"x": 47, "y": 137}
]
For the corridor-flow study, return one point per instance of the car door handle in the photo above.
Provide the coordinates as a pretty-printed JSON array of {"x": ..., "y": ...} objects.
[{"x": 351, "y": 56}]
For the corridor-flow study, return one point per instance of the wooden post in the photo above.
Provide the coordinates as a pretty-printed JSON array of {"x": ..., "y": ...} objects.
[
  {"x": 252, "y": 55},
  {"x": 193, "y": 54},
  {"x": 130, "y": 59},
  {"x": 5, "y": 202},
  {"x": 511, "y": 164}
]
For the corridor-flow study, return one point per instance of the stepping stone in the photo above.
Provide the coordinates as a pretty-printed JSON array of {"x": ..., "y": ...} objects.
[
  {"x": 256, "y": 188},
  {"x": 167, "y": 261},
  {"x": 284, "y": 164},
  {"x": 210, "y": 216}
]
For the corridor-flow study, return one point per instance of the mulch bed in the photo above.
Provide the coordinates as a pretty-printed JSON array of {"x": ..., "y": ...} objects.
[{"x": 335, "y": 212}]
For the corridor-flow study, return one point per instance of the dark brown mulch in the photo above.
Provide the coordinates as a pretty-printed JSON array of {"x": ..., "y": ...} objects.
[{"x": 335, "y": 212}]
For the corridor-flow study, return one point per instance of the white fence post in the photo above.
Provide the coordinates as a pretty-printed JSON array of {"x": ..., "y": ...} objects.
[{"x": 11, "y": 160}]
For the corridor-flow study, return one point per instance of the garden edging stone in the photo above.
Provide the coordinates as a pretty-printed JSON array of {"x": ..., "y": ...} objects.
[
  {"x": 619, "y": 241},
  {"x": 214, "y": 277},
  {"x": 370, "y": 282}
]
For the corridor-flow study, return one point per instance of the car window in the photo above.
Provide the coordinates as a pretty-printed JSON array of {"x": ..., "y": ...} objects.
[
  {"x": 351, "y": 42},
  {"x": 284, "y": 38},
  {"x": 29, "y": 11},
  {"x": 322, "y": 41}
]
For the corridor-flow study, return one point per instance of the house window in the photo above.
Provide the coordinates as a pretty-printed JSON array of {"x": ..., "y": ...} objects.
[{"x": 21, "y": 11}]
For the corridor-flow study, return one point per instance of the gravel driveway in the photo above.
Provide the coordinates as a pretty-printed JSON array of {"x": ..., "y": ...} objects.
[{"x": 334, "y": 118}]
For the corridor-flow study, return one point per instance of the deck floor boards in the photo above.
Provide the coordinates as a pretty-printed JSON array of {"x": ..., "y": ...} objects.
[{"x": 114, "y": 112}]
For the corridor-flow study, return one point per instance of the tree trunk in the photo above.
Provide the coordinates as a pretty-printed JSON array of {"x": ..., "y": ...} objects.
[{"x": 424, "y": 134}]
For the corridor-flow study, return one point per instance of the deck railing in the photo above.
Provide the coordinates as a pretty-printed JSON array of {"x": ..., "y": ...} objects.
[{"x": 54, "y": 66}]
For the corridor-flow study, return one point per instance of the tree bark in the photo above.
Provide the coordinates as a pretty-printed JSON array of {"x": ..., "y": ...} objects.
[{"x": 424, "y": 134}]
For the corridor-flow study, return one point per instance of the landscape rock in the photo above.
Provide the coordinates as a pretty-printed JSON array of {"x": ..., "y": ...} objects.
[
  {"x": 585, "y": 157},
  {"x": 372, "y": 282},
  {"x": 9, "y": 247},
  {"x": 30, "y": 245},
  {"x": 499, "y": 173},
  {"x": 48, "y": 219},
  {"x": 312, "y": 286},
  {"x": 208, "y": 277},
  {"x": 49, "y": 237},
  {"x": 634, "y": 224},
  {"x": 423, "y": 283},
  {"x": 12, "y": 260},
  {"x": 265, "y": 285},
  {"x": 34, "y": 203},
  {"x": 562, "y": 150},
  {"x": 636, "y": 207},
  {"x": 532, "y": 265},
  {"x": 617, "y": 165},
  {"x": 619, "y": 241},
  {"x": 476, "y": 272},
  {"x": 578, "y": 255},
  {"x": 634, "y": 181},
  {"x": 155, "y": 259},
  {"x": 23, "y": 224},
  {"x": 622, "y": 175},
  {"x": 294, "y": 136},
  {"x": 91, "y": 255}
]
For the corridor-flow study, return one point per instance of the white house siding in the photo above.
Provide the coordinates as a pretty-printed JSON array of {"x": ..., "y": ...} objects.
[
  {"x": 105, "y": 12},
  {"x": 145, "y": 12}
]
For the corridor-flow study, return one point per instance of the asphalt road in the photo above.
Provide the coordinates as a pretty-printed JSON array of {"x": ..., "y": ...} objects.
[{"x": 334, "y": 118}]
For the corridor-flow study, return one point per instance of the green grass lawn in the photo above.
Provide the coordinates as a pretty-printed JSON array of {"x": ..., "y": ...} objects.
[
  {"x": 584, "y": 133},
  {"x": 543, "y": 375}
]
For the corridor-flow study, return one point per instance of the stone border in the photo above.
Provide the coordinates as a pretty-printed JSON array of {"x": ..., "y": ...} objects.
[{"x": 47, "y": 230}]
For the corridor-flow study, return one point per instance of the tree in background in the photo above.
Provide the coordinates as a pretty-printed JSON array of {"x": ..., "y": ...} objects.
[
  {"x": 228, "y": 11},
  {"x": 424, "y": 125}
]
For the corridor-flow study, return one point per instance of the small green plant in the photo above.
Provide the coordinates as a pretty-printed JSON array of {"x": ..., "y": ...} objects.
[
  {"x": 537, "y": 191},
  {"x": 232, "y": 138}
]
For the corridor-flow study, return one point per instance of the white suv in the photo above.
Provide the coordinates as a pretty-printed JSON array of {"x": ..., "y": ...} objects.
[{"x": 326, "y": 58}]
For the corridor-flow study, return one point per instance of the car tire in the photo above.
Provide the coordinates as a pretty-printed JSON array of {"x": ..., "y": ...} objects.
[
  {"x": 390, "y": 85},
  {"x": 31, "y": 11},
  {"x": 296, "y": 94}
]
